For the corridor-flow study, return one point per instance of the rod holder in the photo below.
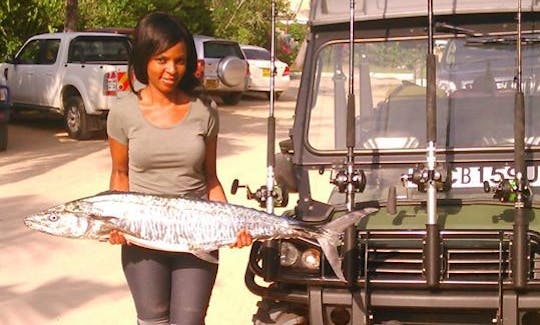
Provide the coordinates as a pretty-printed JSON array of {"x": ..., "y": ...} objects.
[
  {"x": 350, "y": 256},
  {"x": 432, "y": 256}
]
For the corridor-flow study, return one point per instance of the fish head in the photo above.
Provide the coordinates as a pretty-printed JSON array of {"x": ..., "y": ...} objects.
[{"x": 59, "y": 222}]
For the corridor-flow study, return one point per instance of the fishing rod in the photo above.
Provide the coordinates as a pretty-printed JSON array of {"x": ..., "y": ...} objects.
[
  {"x": 270, "y": 248},
  {"x": 350, "y": 242},
  {"x": 269, "y": 195},
  {"x": 432, "y": 245},
  {"x": 521, "y": 223}
]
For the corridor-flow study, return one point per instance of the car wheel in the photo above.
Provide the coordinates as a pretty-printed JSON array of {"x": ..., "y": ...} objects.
[
  {"x": 76, "y": 118},
  {"x": 3, "y": 136},
  {"x": 232, "y": 98},
  {"x": 277, "y": 94},
  {"x": 274, "y": 313}
]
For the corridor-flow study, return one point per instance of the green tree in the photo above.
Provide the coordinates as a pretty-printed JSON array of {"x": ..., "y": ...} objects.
[
  {"x": 72, "y": 13},
  {"x": 126, "y": 13},
  {"x": 20, "y": 19},
  {"x": 245, "y": 21}
]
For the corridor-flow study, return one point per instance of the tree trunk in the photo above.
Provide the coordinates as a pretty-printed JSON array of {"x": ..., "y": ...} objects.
[{"x": 70, "y": 22}]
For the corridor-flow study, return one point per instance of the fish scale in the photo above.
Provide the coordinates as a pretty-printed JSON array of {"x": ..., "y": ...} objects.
[{"x": 181, "y": 224}]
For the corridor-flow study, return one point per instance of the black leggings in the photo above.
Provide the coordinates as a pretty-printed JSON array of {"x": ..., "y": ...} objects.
[{"x": 168, "y": 288}]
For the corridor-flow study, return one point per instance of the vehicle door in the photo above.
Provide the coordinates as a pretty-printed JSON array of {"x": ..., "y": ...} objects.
[
  {"x": 31, "y": 76},
  {"x": 46, "y": 73},
  {"x": 20, "y": 75}
]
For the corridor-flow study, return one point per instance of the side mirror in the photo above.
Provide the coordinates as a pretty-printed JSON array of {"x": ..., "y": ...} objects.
[
  {"x": 284, "y": 168},
  {"x": 13, "y": 60}
]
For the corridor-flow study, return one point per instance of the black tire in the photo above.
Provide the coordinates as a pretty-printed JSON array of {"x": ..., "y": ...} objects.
[
  {"x": 232, "y": 98},
  {"x": 277, "y": 94},
  {"x": 3, "y": 136},
  {"x": 76, "y": 119},
  {"x": 276, "y": 313}
]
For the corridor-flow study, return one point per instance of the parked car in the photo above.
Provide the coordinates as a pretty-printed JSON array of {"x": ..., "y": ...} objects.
[
  {"x": 222, "y": 67},
  {"x": 77, "y": 75},
  {"x": 260, "y": 65},
  {"x": 4, "y": 116},
  {"x": 480, "y": 64}
]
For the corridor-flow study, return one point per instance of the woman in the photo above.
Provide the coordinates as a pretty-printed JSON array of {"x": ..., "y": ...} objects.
[{"x": 165, "y": 143}]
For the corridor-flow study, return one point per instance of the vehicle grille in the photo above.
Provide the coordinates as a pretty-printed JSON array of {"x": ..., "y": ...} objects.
[{"x": 468, "y": 257}]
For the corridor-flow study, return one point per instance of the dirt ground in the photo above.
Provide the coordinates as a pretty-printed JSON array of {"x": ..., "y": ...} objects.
[{"x": 50, "y": 280}]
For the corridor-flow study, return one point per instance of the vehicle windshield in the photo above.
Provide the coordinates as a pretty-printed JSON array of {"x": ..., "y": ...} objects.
[
  {"x": 476, "y": 84},
  {"x": 257, "y": 54}
]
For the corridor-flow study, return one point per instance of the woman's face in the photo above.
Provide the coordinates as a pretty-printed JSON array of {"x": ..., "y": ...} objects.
[{"x": 166, "y": 69}]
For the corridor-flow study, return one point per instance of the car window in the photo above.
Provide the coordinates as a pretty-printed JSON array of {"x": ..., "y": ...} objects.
[
  {"x": 256, "y": 54},
  {"x": 217, "y": 50},
  {"x": 99, "y": 49},
  {"x": 49, "y": 51},
  {"x": 30, "y": 53}
]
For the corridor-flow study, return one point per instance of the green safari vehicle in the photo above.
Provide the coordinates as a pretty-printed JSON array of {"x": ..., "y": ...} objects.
[{"x": 430, "y": 113}]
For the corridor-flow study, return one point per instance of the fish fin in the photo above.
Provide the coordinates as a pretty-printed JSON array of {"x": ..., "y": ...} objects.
[
  {"x": 157, "y": 245},
  {"x": 340, "y": 224},
  {"x": 107, "y": 219},
  {"x": 332, "y": 256},
  {"x": 206, "y": 256},
  {"x": 331, "y": 237}
]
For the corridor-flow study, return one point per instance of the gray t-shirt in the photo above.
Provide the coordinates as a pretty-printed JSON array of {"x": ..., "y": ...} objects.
[{"x": 164, "y": 160}]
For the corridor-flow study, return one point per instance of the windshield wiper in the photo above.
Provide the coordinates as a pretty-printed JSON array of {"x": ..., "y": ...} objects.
[
  {"x": 527, "y": 39},
  {"x": 444, "y": 27}
]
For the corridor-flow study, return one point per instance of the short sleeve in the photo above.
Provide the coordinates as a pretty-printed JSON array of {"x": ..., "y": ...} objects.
[
  {"x": 213, "y": 122},
  {"x": 115, "y": 128}
]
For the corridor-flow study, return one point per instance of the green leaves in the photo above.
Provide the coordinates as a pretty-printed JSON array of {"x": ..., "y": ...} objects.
[
  {"x": 246, "y": 21},
  {"x": 20, "y": 19}
]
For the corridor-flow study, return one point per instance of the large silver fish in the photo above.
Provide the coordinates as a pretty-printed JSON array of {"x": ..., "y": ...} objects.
[{"x": 180, "y": 224}]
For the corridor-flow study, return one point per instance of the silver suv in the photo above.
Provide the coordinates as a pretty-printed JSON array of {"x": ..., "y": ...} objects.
[{"x": 222, "y": 68}]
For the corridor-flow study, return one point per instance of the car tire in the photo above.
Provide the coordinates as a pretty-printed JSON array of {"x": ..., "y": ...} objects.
[
  {"x": 277, "y": 94},
  {"x": 76, "y": 119},
  {"x": 269, "y": 312},
  {"x": 3, "y": 136},
  {"x": 232, "y": 98}
]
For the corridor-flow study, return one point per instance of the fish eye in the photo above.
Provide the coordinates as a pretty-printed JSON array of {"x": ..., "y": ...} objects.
[{"x": 53, "y": 218}]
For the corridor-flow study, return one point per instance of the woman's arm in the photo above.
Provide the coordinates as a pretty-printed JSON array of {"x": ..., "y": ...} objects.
[
  {"x": 215, "y": 190},
  {"x": 119, "y": 180}
]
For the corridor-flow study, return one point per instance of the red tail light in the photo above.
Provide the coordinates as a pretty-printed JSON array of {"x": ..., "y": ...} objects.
[
  {"x": 199, "y": 70},
  {"x": 110, "y": 83},
  {"x": 287, "y": 71}
]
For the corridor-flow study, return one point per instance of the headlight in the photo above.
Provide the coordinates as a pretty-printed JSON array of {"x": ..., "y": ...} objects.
[
  {"x": 311, "y": 258},
  {"x": 288, "y": 254}
]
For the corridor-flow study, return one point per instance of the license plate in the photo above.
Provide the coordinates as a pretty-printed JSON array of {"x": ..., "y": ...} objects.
[
  {"x": 475, "y": 176},
  {"x": 472, "y": 177},
  {"x": 211, "y": 83},
  {"x": 266, "y": 72}
]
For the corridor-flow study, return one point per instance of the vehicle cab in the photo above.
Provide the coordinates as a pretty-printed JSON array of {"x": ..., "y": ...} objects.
[{"x": 482, "y": 233}]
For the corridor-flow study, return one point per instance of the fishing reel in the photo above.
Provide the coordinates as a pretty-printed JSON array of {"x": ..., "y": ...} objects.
[
  {"x": 507, "y": 190},
  {"x": 420, "y": 176},
  {"x": 341, "y": 180},
  {"x": 278, "y": 193}
]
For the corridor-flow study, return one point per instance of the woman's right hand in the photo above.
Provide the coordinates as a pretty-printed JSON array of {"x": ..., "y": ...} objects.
[{"x": 117, "y": 238}]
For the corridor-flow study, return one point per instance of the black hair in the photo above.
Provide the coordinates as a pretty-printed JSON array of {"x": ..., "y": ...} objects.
[{"x": 155, "y": 33}]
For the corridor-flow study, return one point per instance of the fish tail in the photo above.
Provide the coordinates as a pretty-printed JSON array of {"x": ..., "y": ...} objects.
[{"x": 331, "y": 237}]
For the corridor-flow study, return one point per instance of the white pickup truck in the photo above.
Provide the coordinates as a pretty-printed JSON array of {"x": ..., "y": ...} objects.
[{"x": 79, "y": 75}]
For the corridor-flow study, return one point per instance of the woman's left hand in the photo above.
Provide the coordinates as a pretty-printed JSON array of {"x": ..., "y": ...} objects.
[{"x": 243, "y": 238}]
